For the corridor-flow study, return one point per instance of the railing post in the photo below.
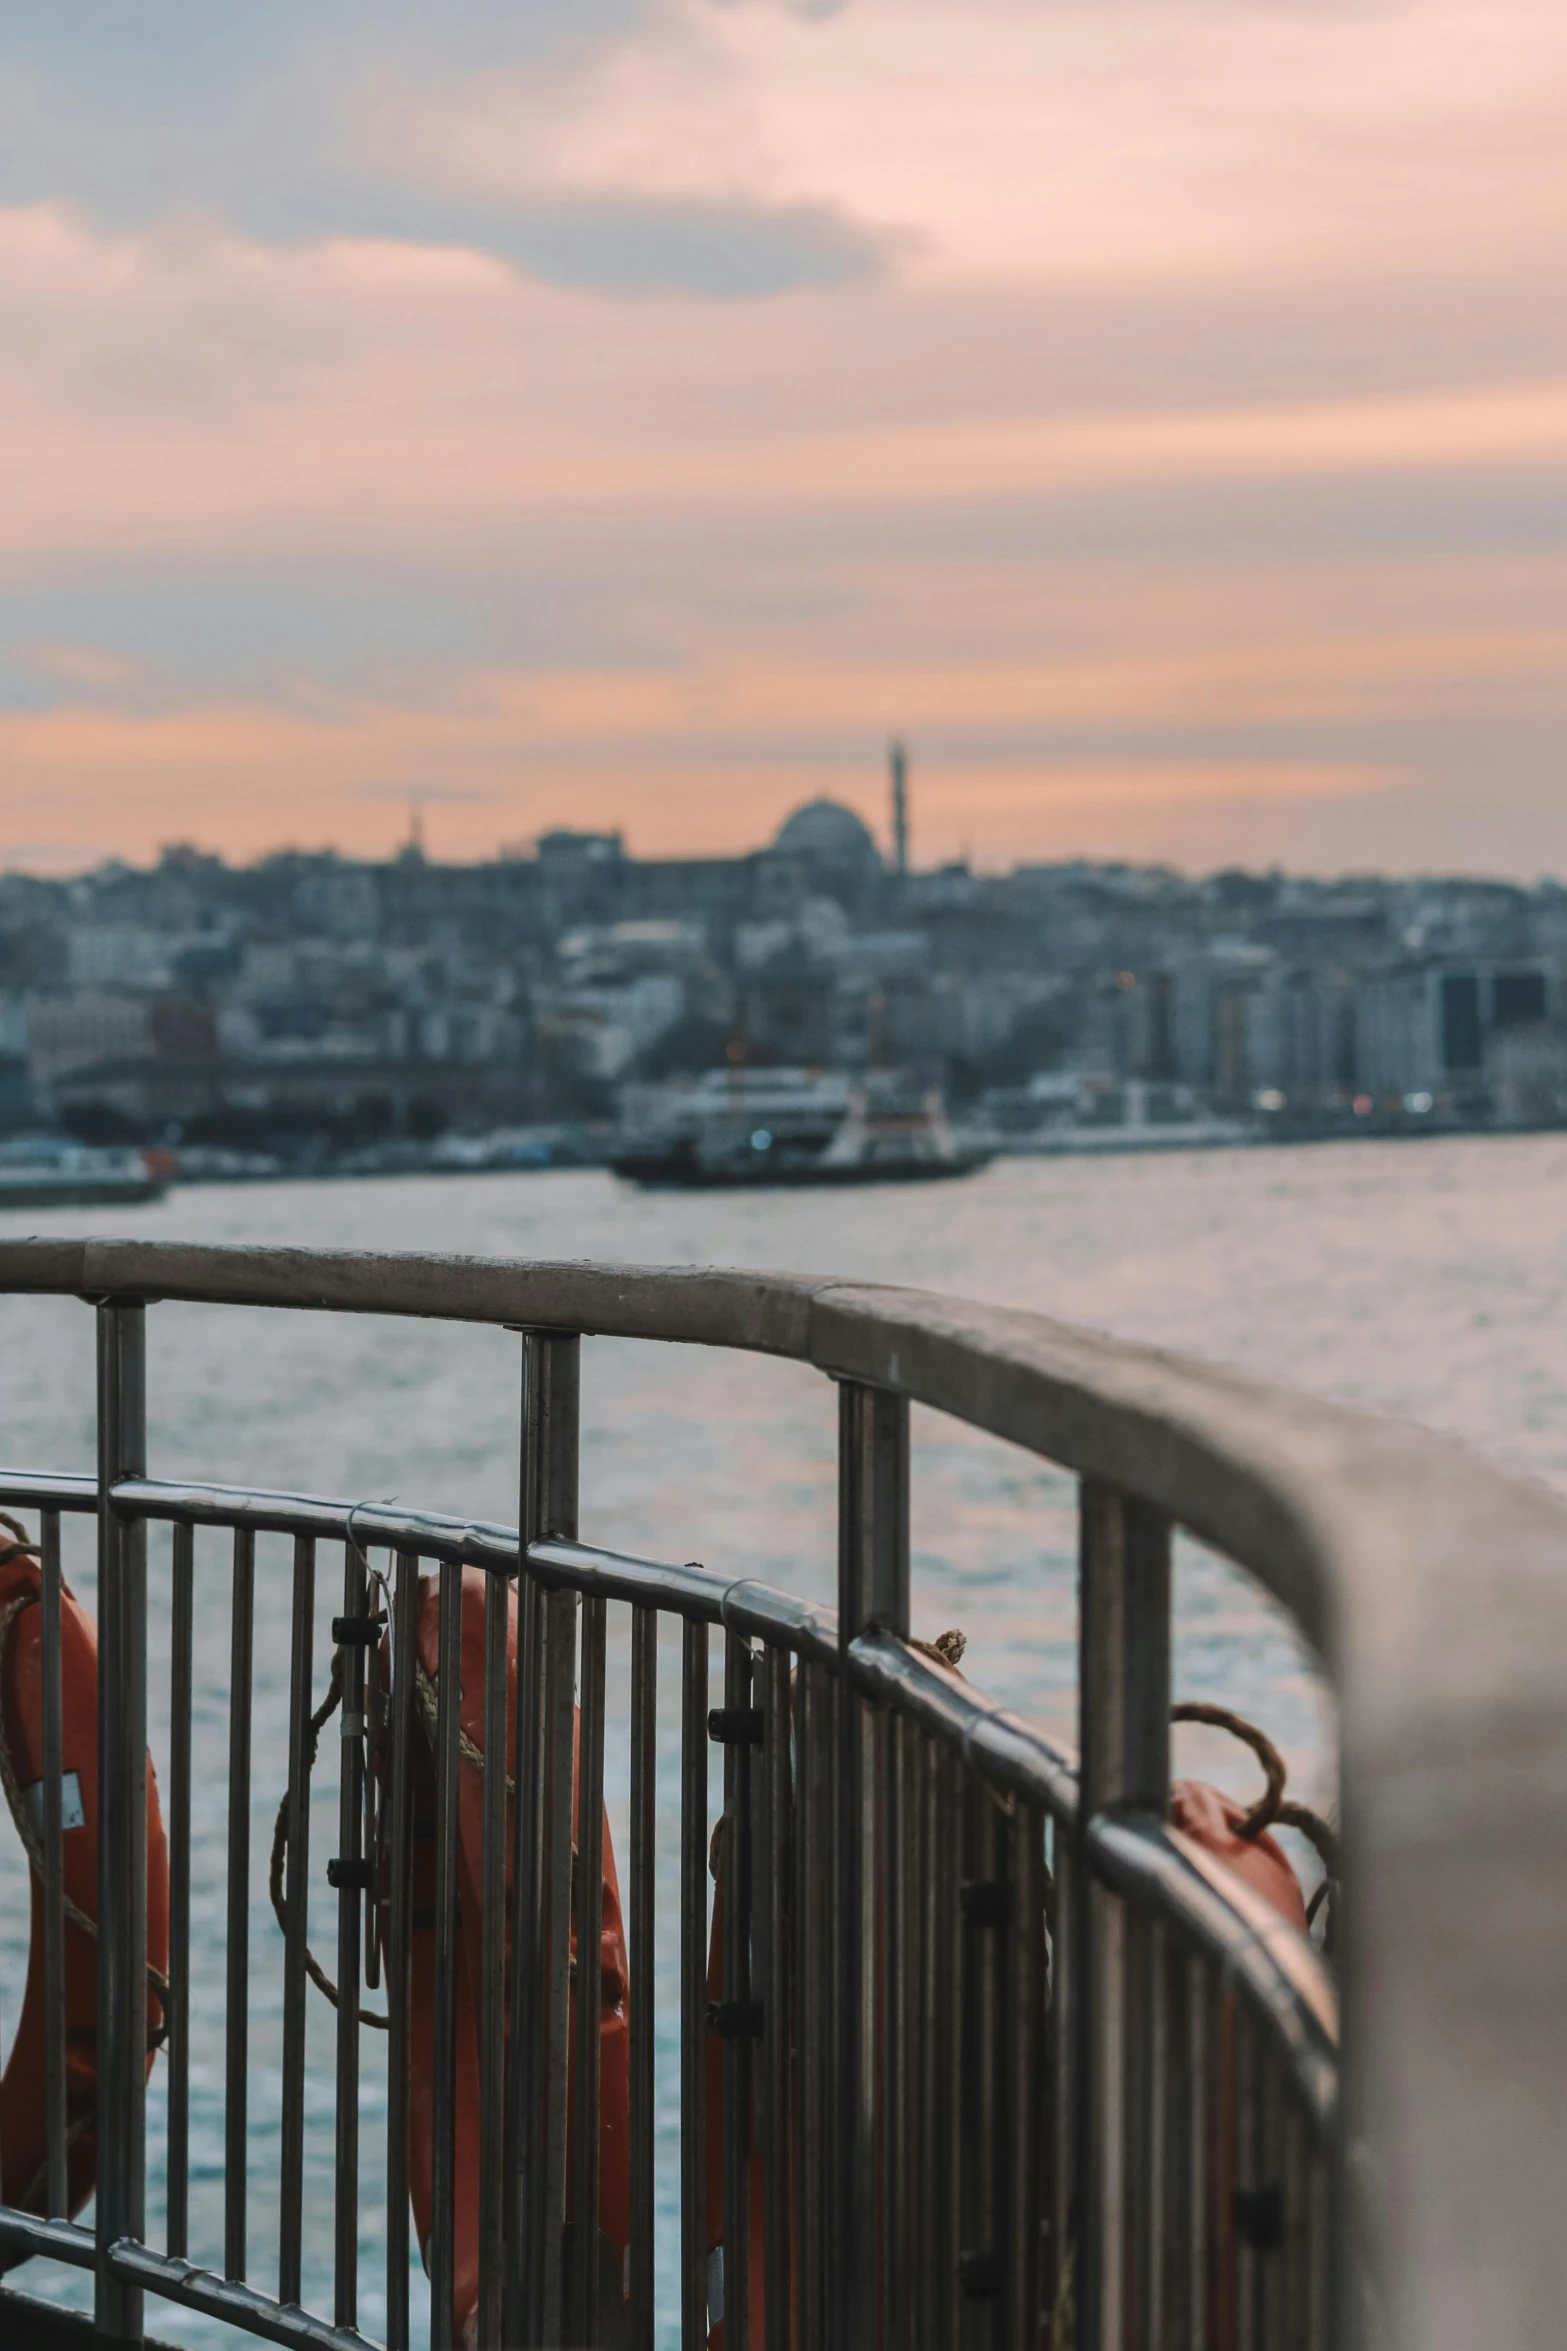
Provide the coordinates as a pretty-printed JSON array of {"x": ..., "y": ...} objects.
[
  {"x": 873, "y": 1590},
  {"x": 122, "y": 1817},
  {"x": 1124, "y": 1735}
]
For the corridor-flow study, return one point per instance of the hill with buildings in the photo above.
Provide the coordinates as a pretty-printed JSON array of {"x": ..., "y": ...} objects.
[{"x": 314, "y": 1006}]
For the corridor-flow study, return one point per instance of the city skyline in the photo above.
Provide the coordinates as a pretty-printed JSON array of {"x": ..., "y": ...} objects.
[{"x": 1157, "y": 419}]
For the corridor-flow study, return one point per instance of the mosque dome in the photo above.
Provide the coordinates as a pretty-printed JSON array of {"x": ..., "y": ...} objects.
[{"x": 828, "y": 834}]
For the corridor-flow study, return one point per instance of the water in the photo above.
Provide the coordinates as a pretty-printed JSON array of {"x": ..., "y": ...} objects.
[{"x": 1425, "y": 1280}]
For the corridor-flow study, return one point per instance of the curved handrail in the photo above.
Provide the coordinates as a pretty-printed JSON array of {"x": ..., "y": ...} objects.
[{"x": 1434, "y": 1586}]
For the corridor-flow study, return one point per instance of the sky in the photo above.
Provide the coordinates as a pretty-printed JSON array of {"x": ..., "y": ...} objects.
[{"x": 633, "y": 414}]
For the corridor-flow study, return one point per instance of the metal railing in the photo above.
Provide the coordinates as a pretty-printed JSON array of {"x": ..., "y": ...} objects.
[{"x": 1005, "y": 2059}]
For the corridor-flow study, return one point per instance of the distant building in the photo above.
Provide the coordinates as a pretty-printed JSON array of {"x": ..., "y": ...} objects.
[
  {"x": 1426, "y": 1027},
  {"x": 1526, "y": 1069}
]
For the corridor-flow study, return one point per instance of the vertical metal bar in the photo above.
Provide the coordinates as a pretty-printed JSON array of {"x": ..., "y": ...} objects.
[
  {"x": 1131, "y": 2047},
  {"x": 443, "y": 2166},
  {"x": 1320, "y": 2250},
  {"x": 180, "y": 1700},
  {"x": 780, "y": 1895},
  {"x": 522, "y": 2103},
  {"x": 918, "y": 2158},
  {"x": 1149, "y": 2125},
  {"x": 54, "y": 1870},
  {"x": 979, "y": 2010},
  {"x": 812, "y": 1909},
  {"x": 758, "y": 1911},
  {"x": 1158, "y": 2139},
  {"x": 899, "y": 2125},
  {"x": 350, "y": 1916},
  {"x": 1101, "y": 2279},
  {"x": 405, "y": 1609},
  {"x": 736, "y": 1868},
  {"x": 551, "y": 1385},
  {"x": 1248, "y": 2178},
  {"x": 879, "y": 2003},
  {"x": 560, "y": 1609},
  {"x": 952, "y": 1991},
  {"x": 589, "y": 1924},
  {"x": 693, "y": 1986},
  {"x": 291, "y": 2197},
  {"x": 1064, "y": 2050},
  {"x": 1294, "y": 2258},
  {"x": 1273, "y": 2196},
  {"x": 929, "y": 2025},
  {"x": 1124, "y": 1737},
  {"x": 873, "y": 1590},
  {"x": 644, "y": 1825},
  {"x": 236, "y": 2029},
  {"x": 1172, "y": 2028},
  {"x": 1018, "y": 2060},
  {"x": 1198, "y": 2011},
  {"x": 122, "y": 1824},
  {"x": 492, "y": 1967}
]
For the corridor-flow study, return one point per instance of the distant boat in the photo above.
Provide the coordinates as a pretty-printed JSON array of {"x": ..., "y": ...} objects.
[
  {"x": 792, "y": 1128},
  {"x": 45, "y": 1172}
]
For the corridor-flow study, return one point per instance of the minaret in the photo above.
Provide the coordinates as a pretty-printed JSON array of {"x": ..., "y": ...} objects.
[{"x": 900, "y": 809}]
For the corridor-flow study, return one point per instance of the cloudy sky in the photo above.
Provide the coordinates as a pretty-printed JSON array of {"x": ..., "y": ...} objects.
[{"x": 631, "y": 413}]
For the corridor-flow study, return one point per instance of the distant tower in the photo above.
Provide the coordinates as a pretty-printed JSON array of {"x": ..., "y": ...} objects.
[
  {"x": 415, "y": 848},
  {"x": 900, "y": 809}
]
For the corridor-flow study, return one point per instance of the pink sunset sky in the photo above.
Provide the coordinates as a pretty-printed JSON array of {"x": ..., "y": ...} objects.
[{"x": 632, "y": 414}]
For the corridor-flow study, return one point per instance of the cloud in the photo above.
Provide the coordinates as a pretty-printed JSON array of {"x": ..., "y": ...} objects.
[
  {"x": 728, "y": 249},
  {"x": 89, "y": 668},
  {"x": 735, "y": 151},
  {"x": 290, "y": 131},
  {"x": 205, "y": 391}
]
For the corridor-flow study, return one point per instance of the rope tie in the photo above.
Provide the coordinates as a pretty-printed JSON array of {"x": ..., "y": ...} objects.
[
  {"x": 318, "y": 1721},
  {"x": 23, "y": 1547},
  {"x": 1272, "y": 1808},
  {"x": 427, "y": 1691}
]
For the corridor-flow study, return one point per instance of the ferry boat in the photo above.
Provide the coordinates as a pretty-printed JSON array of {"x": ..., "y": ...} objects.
[
  {"x": 48, "y": 1171},
  {"x": 794, "y": 1127}
]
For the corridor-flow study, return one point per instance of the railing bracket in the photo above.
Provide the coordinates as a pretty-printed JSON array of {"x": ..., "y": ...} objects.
[
  {"x": 344, "y": 1874},
  {"x": 987, "y": 1902},
  {"x": 735, "y": 2020},
  {"x": 735, "y": 1726},
  {"x": 1259, "y": 2217},
  {"x": 358, "y": 1632},
  {"x": 978, "y": 2276}
]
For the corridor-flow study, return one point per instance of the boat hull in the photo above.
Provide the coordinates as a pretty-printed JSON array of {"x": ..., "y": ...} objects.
[
  {"x": 85, "y": 1191},
  {"x": 674, "y": 1172}
]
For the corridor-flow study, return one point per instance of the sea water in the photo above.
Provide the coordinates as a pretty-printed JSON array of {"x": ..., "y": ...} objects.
[{"x": 1420, "y": 1279}]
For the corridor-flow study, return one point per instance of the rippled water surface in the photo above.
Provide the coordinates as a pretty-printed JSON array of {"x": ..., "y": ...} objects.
[{"x": 1426, "y": 1280}]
